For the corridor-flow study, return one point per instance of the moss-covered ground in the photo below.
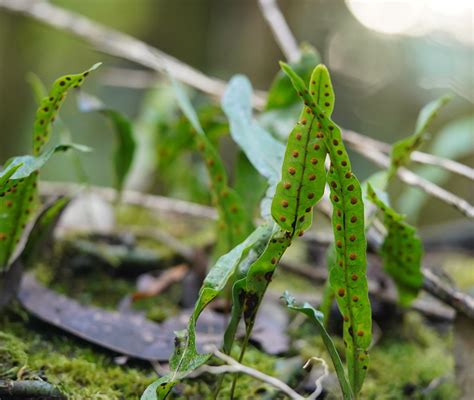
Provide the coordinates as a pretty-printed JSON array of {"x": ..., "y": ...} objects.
[{"x": 411, "y": 360}]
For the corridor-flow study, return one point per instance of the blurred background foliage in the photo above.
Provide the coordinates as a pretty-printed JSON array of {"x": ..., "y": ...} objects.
[{"x": 387, "y": 59}]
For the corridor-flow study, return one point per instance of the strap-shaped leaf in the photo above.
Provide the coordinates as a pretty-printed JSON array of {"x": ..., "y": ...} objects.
[
  {"x": 18, "y": 197},
  {"x": 17, "y": 204},
  {"x": 317, "y": 317},
  {"x": 249, "y": 291},
  {"x": 402, "y": 251},
  {"x": 126, "y": 144},
  {"x": 303, "y": 173},
  {"x": 402, "y": 149},
  {"x": 48, "y": 109},
  {"x": 348, "y": 276},
  {"x": 39, "y": 236},
  {"x": 260, "y": 274},
  {"x": 42, "y": 231},
  {"x": 261, "y": 148},
  {"x": 239, "y": 287},
  {"x": 234, "y": 222},
  {"x": 186, "y": 357}
]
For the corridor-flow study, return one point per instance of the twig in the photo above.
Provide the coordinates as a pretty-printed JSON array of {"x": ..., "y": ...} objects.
[
  {"x": 234, "y": 366},
  {"x": 318, "y": 382},
  {"x": 356, "y": 139},
  {"x": 122, "y": 45},
  {"x": 461, "y": 302},
  {"x": 131, "y": 197},
  {"x": 448, "y": 165},
  {"x": 118, "y": 44},
  {"x": 280, "y": 29},
  {"x": 129, "y": 78},
  {"x": 412, "y": 179},
  {"x": 428, "y": 308},
  {"x": 287, "y": 42}
]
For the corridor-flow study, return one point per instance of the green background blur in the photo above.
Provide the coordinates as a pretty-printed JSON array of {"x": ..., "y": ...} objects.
[{"x": 381, "y": 80}]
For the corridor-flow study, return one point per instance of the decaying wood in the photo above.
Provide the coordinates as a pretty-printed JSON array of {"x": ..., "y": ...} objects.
[
  {"x": 458, "y": 300},
  {"x": 29, "y": 389}
]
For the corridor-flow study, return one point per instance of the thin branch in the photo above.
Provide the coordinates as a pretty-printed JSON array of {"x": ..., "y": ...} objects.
[
  {"x": 128, "y": 78},
  {"x": 125, "y": 46},
  {"x": 448, "y": 165},
  {"x": 118, "y": 44},
  {"x": 280, "y": 29},
  {"x": 354, "y": 139},
  {"x": 318, "y": 382},
  {"x": 381, "y": 159},
  {"x": 287, "y": 42},
  {"x": 461, "y": 302},
  {"x": 134, "y": 198},
  {"x": 234, "y": 366}
]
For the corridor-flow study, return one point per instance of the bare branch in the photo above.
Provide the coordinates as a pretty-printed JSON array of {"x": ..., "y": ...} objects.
[
  {"x": 130, "y": 197},
  {"x": 448, "y": 165},
  {"x": 318, "y": 382},
  {"x": 381, "y": 159},
  {"x": 121, "y": 45},
  {"x": 118, "y": 44},
  {"x": 461, "y": 302},
  {"x": 280, "y": 29},
  {"x": 236, "y": 367},
  {"x": 354, "y": 139}
]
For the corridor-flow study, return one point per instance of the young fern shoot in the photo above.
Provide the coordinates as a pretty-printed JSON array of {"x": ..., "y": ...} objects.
[{"x": 348, "y": 275}]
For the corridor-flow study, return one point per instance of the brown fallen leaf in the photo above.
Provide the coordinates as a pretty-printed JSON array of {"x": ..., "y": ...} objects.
[
  {"x": 132, "y": 334},
  {"x": 129, "y": 334}
]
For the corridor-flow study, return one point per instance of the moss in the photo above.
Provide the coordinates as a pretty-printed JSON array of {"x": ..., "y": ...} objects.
[
  {"x": 404, "y": 362},
  {"x": 12, "y": 355},
  {"x": 81, "y": 371},
  {"x": 247, "y": 387}
]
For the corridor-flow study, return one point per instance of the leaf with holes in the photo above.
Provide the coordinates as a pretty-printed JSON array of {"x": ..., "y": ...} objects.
[
  {"x": 126, "y": 144},
  {"x": 233, "y": 222},
  {"x": 186, "y": 357},
  {"x": 48, "y": 109},
  {"x": 317, "y": 317},
  {"x": 348, "y": 276},
  {"x": 402, "y": 149},
  {"x": 303, "y": 173},
  {"x": 401, "y": 251},
  {"x": 18, "y": 198}
]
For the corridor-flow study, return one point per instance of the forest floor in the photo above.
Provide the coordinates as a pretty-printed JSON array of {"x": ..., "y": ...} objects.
[{"x": 411, "y": 359}]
